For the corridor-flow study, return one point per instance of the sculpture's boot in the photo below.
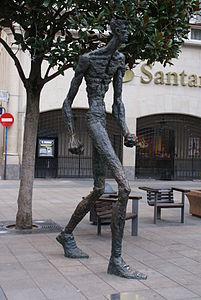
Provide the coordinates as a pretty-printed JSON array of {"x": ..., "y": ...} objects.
[
  {"x": 118, "y": 267},
  {"x": 70, "y": 248},
  {"x": 66, "y": 238}
]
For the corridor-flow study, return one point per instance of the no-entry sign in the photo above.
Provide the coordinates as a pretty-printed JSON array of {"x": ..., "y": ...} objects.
[{"x": 7, "y": 120}]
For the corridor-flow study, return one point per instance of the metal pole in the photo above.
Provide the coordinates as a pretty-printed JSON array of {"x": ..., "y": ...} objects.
[
  {"x": 5, "y": 162},
  {"x": 193, "y": 150},
  {"x": 3, "y": 138},
  {"x": 3, "y": 128}
]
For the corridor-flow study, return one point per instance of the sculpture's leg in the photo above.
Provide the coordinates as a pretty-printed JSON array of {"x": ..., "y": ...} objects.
[
  {"x": 66, "y": 238},
  {"x": 102, "y": 142}
]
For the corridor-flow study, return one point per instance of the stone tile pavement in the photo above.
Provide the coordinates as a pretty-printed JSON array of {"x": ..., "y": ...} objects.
[{"x": 32, "y": 266}]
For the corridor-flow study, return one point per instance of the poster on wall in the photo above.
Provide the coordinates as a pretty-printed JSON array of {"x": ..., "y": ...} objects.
[{"x": 46, "y": 147}]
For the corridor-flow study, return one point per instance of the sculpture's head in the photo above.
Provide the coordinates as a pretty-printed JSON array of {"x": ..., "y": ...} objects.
[{"x": 119, "y": 28}]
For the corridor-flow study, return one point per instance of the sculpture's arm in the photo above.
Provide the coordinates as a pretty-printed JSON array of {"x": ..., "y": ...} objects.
[
  {"x": 118, "y": 109},
  {"x": 74, "y": 87},
  {"x": 75, "y": 146}
]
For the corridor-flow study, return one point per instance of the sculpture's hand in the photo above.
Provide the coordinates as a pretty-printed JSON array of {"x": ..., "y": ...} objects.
[
  {"x": 75, "y": 146},
  {"x": 130, "y": 140}
]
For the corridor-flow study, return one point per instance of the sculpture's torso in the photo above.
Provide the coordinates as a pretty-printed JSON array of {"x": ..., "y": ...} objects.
[{"x": 98, "y": 76}]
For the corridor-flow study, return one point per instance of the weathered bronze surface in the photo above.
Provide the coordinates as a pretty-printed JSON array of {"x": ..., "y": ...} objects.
[{"x": 98, "y": 68}]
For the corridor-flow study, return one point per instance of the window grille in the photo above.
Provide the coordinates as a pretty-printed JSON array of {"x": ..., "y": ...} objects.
[{"x": 169, "y": 147}]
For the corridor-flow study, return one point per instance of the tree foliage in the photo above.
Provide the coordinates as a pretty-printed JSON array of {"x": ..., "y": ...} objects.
[{"x": 47, "y": 27}]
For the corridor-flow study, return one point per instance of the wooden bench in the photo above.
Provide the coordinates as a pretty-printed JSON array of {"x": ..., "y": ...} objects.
[
  {"x": 163, "y": 198},
  {"x": 104, "y": 207}
]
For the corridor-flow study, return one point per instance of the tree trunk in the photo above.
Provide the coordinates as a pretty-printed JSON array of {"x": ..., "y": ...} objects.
[{"x": 24, "y": 213}]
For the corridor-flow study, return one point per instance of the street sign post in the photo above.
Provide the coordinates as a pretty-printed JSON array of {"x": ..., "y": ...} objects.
[{"x": 6, "y": 120}]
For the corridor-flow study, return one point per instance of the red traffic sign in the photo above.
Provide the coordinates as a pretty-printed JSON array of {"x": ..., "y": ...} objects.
[{"x": 7, "y": 120}]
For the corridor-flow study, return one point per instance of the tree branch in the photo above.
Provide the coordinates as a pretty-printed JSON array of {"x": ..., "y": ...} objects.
[
  {"x": 47, "y": 79},
  {"x": 16, "y": 61},
  {"x": 47, "y": 72},
  {"x": 58, "y": 12}
]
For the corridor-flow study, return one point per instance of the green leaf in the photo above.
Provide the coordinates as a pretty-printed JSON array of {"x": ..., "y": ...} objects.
[
  {"x": 101, "y": 15},
  {"x": 46, "y": 3},
  {"x": 19, "y": 37},
  {"x": 27, "y": 34}
]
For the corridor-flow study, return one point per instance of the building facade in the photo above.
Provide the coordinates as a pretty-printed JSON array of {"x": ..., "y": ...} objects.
[{"x": 162, "y": 107}]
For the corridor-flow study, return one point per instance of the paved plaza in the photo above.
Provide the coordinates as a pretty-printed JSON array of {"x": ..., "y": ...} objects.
[{"x": 33, "y": 267}]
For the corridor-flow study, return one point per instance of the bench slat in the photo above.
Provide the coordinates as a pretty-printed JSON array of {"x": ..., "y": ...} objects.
[
  {"x": 103, "y": 213},
  {"x": 170, "y": 205},
  {"x": 109, "y": 215}
]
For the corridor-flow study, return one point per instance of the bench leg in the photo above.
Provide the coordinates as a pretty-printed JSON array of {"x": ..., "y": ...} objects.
[
  {"x": 158, "y": 213},
  {"x": 98, "y": 226},
  {"x": 182, "y": 209},
  {"x": 134, "y": 229},
  {"x": 134, "y": 224},
  {"x": 155, "y": 207}
]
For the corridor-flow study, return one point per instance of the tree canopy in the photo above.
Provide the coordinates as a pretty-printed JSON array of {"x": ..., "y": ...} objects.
[{"x": 47, "y": 27}]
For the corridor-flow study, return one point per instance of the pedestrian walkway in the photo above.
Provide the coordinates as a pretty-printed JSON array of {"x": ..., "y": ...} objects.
[{"x": 32, "y": 266}]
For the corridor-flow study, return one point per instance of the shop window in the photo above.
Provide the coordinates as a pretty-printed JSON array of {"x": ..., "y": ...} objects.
[{"x": 196, "y": 33}]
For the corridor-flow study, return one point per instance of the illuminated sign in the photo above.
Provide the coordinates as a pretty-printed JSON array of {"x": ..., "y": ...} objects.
[{"x": 46, "y": 147}]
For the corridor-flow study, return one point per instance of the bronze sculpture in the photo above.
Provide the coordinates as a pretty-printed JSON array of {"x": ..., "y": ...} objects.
[{"x": 98, "y": 68}]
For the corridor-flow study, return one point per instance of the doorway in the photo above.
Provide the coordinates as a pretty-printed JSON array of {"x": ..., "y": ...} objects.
[{"x": 169, "y": 147}]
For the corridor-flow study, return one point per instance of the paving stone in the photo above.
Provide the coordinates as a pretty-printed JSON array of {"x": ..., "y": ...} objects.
[
  {"x": 2, "y": 295},
  {"x": 158, "y": 280},
  {"x": 175, "y": 293},
  {"x": 172, "y": 270},
  {"x": 90, "y": 283},
  {"x": 70, "y": 296},
  {"x": 74, "y": 270},
  {"x": 60, "y": 261},
  {"x": 196, "y": 288},
  {"x": 24, "y": 294},
  {"x": 97, "y": 297},
  {"x": 61, "y": 291},
  {"x": 193, "y": 298}
]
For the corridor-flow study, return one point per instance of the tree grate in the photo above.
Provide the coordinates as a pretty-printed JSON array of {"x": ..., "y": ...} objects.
[{"x": 39, "y": 226}]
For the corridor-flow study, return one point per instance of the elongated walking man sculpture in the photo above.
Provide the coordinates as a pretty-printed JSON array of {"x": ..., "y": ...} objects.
[{"x": 98, "y": 68}]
